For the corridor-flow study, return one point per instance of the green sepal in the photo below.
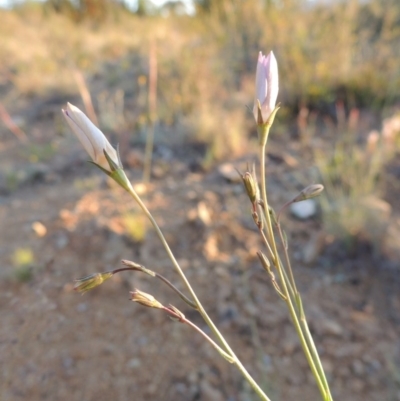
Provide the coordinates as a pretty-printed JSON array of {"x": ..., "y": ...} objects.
[
  {"x": 120, "y": 178},
  {"x": 271, "y": 117},
  {"x": 263, "y": 127},
  {"x": 117, "y": 172},
  {"x": 113, "y": 166}
]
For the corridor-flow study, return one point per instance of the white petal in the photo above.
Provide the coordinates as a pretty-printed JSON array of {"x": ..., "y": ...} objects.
[
  {"x": 272, "y": 81},
  {"x": 92, "y": 139},
  {"x": 261, "y": 83},
  {"x": 80, "y": 134}
]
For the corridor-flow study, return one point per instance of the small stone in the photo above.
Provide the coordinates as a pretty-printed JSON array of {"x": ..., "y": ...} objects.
[
  {"x": 228, "y": 171},
  {"x": 304, "y": 210},
  {"x": 134, "y": 363},
  {"x": 39, "y": 229},
  {"x": 204, "y": 213}
]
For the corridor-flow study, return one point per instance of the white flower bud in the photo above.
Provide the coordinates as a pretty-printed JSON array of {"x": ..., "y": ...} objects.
[{"x": 92, "y": 139}]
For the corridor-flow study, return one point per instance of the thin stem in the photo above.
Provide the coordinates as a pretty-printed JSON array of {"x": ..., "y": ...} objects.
[
  {"x": 288, "y": 264},
  {"x": 279, "y": 262},
  {"x": 303, "y": 320},
  {"x": 316, "y": 356},
  {"x": 181, "y": 318},
  {"x": 266, "y": 209},
  {"x": 200, "y": 307},
  {"x": 283, "y": 281},
  {"x": 211, "y": 341},
  {"x": 162, "y": 278}
]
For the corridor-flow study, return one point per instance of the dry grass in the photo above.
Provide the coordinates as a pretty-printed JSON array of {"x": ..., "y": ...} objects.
[{"x": 343, "y": 51}]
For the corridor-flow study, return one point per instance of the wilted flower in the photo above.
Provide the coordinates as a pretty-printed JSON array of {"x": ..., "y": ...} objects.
[
  {"x": 145, "y": 299},
  {"x": 92, "y": 139},
  {"x": 250, "y": 185},
  {"x": 309, "y": 192},
  {"x": 267, "y": 87},
  {"x": 264, "y": 261},
  {"x": 87, "y": 283}
]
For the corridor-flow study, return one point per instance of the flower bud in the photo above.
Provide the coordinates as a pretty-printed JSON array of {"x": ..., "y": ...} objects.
[
  {"x": 250, "y": 184},
  {"x": 145, "y": 299},
  {"x": 267, "y": 87},
  {"x": 309, "y": 192},
  {"x": 264, "y": 261},
  {"x": 94, "y": 280},
  {"x": 92, "y": 139}
]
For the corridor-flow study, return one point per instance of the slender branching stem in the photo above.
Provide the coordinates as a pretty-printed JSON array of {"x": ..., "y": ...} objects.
[
  {"x": 181, "y": 318},
  {"x": 288, "y": 264},
  {"x": 200, "y": 307},
  {"x": 163, "y": 279},
  {"x": 302, "y": 318},
  {"x": 288, "y": 300},
  {"x": 265, "y": 201},
  {"x": 316, "y": 356}
]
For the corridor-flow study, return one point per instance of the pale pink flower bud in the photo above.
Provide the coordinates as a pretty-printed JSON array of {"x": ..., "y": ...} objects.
[
  {"x": 92, "y": 139},
  {"x": 267, "y": 86}
]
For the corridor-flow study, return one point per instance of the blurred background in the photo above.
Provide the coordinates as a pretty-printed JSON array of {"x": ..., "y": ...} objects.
[{"x": 175, "y": 80}]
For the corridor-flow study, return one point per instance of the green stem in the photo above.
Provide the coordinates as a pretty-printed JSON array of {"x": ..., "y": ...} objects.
[
  {"x": 160, "y": 277},
  {"x": 288, "y": 264},
  {"x": 279, "y": 262},
  {"x": 303, "y": 320},
  {"x": 265, "y": 200},
  {"x": 316, "y": 357},
  {"x": 181, "y": 318},
  {"x": 200, "y": 307},
  {"x": 282, "y": 278}
]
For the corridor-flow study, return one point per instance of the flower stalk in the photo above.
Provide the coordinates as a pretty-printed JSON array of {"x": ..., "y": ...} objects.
[
  {"x": 264, "y": 112},
  {"x": 107, "y": 158}
]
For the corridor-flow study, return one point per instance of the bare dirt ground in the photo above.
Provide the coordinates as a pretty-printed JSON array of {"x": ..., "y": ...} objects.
[{"x": 58, "y": 345}]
